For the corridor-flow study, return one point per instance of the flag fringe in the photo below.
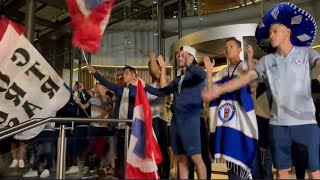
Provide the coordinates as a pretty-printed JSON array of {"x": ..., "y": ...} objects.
[{"x": 244, "y": 174}]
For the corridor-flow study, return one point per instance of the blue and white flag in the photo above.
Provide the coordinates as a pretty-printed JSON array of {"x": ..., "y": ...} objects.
[{"x": 233, "y": 127}]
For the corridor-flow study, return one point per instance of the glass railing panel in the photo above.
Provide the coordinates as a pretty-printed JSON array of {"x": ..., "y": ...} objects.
[{"x": 29, "y": 159}]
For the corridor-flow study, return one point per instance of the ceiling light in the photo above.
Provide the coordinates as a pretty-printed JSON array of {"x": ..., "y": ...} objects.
[{"x": 154, "y": 2}]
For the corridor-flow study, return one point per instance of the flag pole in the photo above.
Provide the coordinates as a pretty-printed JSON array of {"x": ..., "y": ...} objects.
[
  {"x": 155, "y": 165},
  {"x": 84, "y": 56}
]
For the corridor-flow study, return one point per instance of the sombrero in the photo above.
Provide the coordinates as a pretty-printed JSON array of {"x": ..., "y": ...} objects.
[{"x": 302, "y": 24}]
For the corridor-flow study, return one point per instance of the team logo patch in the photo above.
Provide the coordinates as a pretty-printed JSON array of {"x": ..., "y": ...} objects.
[
  {"x": 299, "y": 60},
  {"x": 226, "y": 112}
]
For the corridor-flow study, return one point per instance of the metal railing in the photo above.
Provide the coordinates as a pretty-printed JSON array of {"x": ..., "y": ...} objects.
[{"x": 62, "y": 142}]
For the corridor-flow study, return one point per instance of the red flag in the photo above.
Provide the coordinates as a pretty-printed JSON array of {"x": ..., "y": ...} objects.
[
  {"x": 89, "y": 20},
  {"x": 144, "y": 153}
]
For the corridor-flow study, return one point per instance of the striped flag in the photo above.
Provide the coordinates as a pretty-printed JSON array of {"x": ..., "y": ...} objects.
[
  {"x": 89, "y": 20},
  {"x": 233, "y": 129},
  {"x": 144, "y": 153}
]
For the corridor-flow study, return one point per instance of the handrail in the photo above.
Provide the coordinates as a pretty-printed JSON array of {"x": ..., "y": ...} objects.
[
  {"x": 26, "y": 123},
  {"x": 37, "y": 122}
]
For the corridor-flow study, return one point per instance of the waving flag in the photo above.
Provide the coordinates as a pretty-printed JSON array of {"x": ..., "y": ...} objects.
[
  {"x": 30, "y": 88},
  {"x": 89, "y": 20},
  {"x": 144, "y": 153},
  {"x": 233, "y": 129}
]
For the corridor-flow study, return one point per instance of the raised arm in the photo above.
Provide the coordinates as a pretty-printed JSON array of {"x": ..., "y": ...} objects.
[
  {"x": 154, "y": 68},
  {"x": 113, "y": 87},
  {"x": 169, "y": 89},
  {"x": 209, "y": 67},
  {"x": 163, "y": 76},
  {"x": 252, "y": 65},
  {"x": 210, "y": 94}
]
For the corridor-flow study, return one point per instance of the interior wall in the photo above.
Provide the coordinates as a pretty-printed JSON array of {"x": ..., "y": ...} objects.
[{"x": 120, "y": 47}]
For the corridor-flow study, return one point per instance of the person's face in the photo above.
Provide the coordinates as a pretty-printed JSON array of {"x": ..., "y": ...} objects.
[
  {"x": 128, "y": 76},
  {"x": 99, "y": 89},
  {"x": 232, "y": 51},
  {"x": 184, "y": 58},
  {"x": 278, "y": 34}
]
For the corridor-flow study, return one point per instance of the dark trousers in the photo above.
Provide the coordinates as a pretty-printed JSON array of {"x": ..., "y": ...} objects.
[
  {"x": 161, "y": 130},
  {"x": 299, "y": 159},
  {"x": 78, "y": 144},
  {"x": 204, "y": 151},
  {"x": 45, "y": 151},
  {"x": 119, "y": 170},
  {"x": 262, "y": 165}
]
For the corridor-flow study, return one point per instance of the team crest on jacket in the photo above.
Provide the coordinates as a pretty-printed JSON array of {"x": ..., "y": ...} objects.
[{"x": 226, "y": 112}]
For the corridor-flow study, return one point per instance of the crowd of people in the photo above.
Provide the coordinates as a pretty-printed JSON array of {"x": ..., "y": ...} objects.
[{"x": 285, "y": 100}]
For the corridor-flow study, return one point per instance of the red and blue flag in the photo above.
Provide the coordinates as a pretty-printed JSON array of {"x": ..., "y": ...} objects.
[
  {"x": 143, "y": 153},
  {"x": 89, "y": 19}
]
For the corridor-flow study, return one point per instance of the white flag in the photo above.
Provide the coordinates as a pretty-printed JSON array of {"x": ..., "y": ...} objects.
[{"x": 29, "y": 86}]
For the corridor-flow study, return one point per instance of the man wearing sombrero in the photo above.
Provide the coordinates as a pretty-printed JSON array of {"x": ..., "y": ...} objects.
[{"x": 286, "y": 32}]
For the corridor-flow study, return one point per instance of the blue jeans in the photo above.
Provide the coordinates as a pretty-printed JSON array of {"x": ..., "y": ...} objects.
[{"x": 262, "y": 165}]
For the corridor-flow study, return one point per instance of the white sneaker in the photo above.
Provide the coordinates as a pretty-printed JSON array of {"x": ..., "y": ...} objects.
[
  {"x": 14, "y": 164},
  {"x": 31, "y": 173},
  {"x": 21, "y": 163},
  {"x": 45, "y": 173},
  {"x": 73, "y": 169}
]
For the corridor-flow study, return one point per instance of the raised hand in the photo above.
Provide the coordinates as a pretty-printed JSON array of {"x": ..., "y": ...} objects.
[
  {"x": 135, "y": 81},
  {"x": 152, "y": 55},
  {"x": 161, "y": 61},
  {"x": 249, "y": 50},
  {"x": 207, "y": 63},
  {"x": 91, "y": 69}
]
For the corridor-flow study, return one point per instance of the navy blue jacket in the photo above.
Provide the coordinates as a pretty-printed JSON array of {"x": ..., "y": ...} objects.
[
  {"x": 118, "y": 90},
  {"x": 189, "y": 101}
]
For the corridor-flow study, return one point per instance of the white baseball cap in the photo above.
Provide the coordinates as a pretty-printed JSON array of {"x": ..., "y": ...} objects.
[{"x": 191, "y": 51}]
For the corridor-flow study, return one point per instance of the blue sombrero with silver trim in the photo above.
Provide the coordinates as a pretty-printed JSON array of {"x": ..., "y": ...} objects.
[{"x": 302, "y": 24}]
